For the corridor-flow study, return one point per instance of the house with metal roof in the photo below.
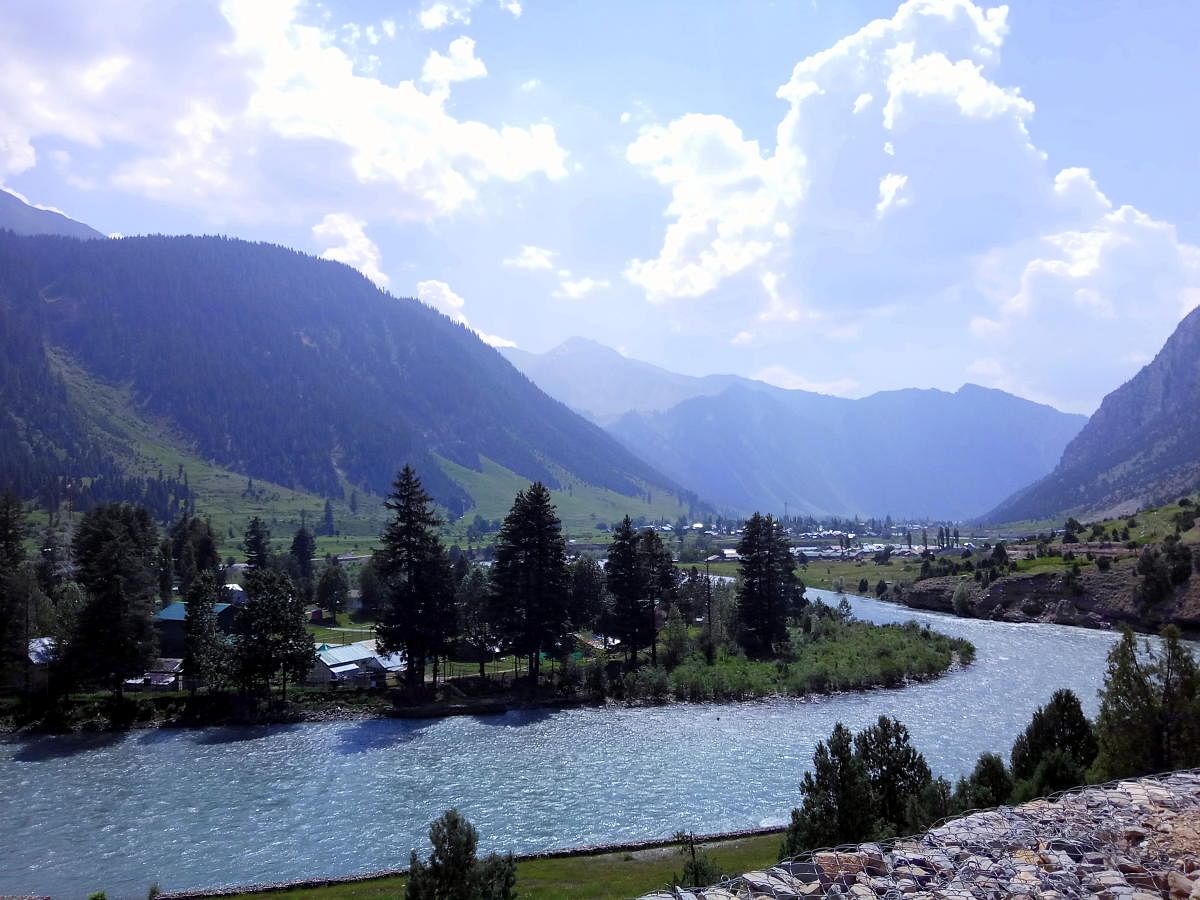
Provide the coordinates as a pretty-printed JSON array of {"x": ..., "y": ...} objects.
[{"x": 358, "y": 663}]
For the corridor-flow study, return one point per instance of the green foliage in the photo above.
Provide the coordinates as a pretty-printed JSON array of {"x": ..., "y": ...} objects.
[
  {"x": 675, "y": 639},
  {"x": 206, "y": 658},
  {"x": 529, "y": 577},
  {"x": 836, "y": 799},
  {"x": 418, "y": 602},
  {"x": 116, "y": 555},
  {"x": 699, "y": 869},
  {"x": 589, "y": 594},
  {"x": 271, "y": 639},
  {"x": 1058, "y": 726},
  {"x": 768, "y": 587},
  {"x": 1149, "y": 709},
  {"x": 896, "y": 772},
  {"x": 333, "y": 589},
  {"x": 453, "y": 871},
  {"x": 989, "y": 784},
  {"x": 961, "y": 600}
]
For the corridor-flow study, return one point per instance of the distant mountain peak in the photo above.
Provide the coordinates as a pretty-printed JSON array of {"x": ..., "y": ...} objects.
[{"x": 22, "y": 217}]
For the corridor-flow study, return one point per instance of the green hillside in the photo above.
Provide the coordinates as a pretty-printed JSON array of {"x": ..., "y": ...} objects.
[{"x": 246, "y": 379}]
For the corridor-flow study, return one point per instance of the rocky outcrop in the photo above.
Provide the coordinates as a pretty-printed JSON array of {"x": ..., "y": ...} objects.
[
  {"x": 1095, "y": 600},
  {"x": 1132, "y": 839}
]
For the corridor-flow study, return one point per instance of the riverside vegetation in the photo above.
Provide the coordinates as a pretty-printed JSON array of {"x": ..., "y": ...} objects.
[{"x": 665, "y": 635}]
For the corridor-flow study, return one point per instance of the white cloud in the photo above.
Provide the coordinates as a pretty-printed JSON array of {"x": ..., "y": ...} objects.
[
  {"x": 530, "y": 84},
  {"x": 459, "y": 64},
  {"x": 728, "y": 204},
  {"x": 531, "y": 257},
  {"x": 993, "y": 243},
  {"x": 230, "y": 115},
  {"x": 345, "y": 239},
  {"x": 891, "y": 187},
  {"x": 577, "y": 288},
  {"x": 782, "y": 376},
  {"x": 441, "y": 13},
  {"x": 742, "y": 338},
  {"x": 442, "y": 297}
]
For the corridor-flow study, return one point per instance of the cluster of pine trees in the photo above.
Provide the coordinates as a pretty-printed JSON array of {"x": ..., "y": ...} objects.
[
  {"x": 532, "y": 600},
  {"x": 97, "y": 596}
]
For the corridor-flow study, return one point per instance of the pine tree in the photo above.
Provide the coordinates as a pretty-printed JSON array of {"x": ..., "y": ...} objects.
[
  {"x": 989, "y": 785},
  {"x": 304, "y": 547},
  {"x": 206, "y": 658},
  {"x": 895, "y": 770},
  {"x": 529, "y": 576},
  {"x": 629, "y": 600},
  {"x": 836, "y": 799},
  {"x": 12, "y": 533},
  {"x": 478, "y": 622},
  {"x": 327, "y": 526},
  {"x": 271, "y": 638},
  {"x": 660, "y": 581},
  {"x": 333, "y": 590},
  {"x": 116, "y": 556},
  {"x": 767, "y": 589},
  {"x": 453, "y": 871},
  {"x": 1059, "y": 725},
  {"x": 418, "y": 614},
  {"x": 1149, "y": 709},
  {"x": 257, "y": 545},
  {"x": 588, "y": 592}
]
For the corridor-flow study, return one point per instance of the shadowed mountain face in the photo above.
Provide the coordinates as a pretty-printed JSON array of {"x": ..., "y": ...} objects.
[
  {"x": 280, "y": 366},
  {"x": 1141, "y": 447},
  {"x": 18, "y": 216},
  {"x": 747, "y": 445}
]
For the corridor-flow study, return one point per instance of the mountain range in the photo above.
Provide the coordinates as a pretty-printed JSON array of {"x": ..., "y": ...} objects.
[
  {"x": 746, "y": 445},
  {"x": 1140, "y": 448},
  {"x": 282, "y": 368},
  {"x": 232, "y": 360}
]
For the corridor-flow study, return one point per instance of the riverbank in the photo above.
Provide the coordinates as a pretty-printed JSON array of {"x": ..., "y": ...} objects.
[
  {"x": 604, "y": 872},
  {"x": 826, "y": 657}
]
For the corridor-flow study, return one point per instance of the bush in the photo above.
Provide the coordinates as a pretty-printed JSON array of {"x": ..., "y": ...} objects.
[
  {"x": 961, "y": 600},
  {"x": 453, "y": 872}
]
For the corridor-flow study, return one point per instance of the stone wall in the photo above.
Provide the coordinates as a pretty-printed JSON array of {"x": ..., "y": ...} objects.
[{"x": 1137, "y": 839}]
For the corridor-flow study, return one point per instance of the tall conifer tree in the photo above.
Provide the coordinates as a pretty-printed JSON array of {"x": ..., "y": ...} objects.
[
  {"x": 418, "y": 595},
  {"x": 529, "y": 576}
]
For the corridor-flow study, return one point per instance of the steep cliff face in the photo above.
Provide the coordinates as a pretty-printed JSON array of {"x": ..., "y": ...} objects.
[{"x": 1141, "y": 447}]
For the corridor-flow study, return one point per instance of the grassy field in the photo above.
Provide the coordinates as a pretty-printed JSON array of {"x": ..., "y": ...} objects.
[
  {"x": 580, "y": 506},
  {"x": 603, "y": 876}
]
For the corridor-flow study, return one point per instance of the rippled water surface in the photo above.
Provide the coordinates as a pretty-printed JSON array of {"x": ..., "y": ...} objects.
[{"x": 234, "y": 806}]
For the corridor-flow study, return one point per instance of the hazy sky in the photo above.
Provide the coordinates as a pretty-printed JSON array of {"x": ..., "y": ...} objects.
[{"x": 842, "y": 196}]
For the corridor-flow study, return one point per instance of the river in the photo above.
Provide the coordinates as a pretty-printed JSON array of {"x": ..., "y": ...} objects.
[{"x": 189, "y": 809}]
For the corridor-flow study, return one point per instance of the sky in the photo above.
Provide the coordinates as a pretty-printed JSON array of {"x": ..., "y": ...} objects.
[{"x": 836, "y": 196}]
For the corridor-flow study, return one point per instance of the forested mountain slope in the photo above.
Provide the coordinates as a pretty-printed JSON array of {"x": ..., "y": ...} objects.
[
  {"x": 1142, "y": 446},
  {"x": 277, "y": 365}
]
